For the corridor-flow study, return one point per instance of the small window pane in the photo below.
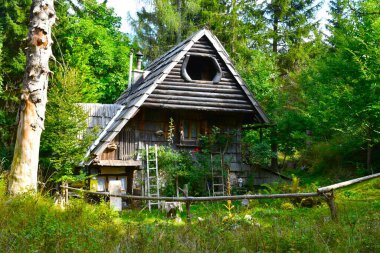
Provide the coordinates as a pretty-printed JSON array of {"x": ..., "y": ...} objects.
[
  {"x": 194, "y": 130},
  {"x": 186, "y": 129}
]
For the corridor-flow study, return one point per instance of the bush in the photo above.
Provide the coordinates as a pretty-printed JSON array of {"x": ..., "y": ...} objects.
[{"x": 184, "y": 166}]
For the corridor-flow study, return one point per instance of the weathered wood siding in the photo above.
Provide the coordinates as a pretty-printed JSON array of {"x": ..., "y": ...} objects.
[
  {"x": 151, "y": 126},
  {"x": 176, "y": 93},
  {"x": 99, "y": 115}
]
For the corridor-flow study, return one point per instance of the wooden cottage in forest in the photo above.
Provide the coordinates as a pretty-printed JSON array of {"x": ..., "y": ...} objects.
[{"x": 196, "y": 85}]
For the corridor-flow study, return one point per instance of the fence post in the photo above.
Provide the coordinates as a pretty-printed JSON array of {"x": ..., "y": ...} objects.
[
  {"x": 330, "y": 201},
  {"x": 188, "y": 214},
  {"x": 65, "y": 194}
]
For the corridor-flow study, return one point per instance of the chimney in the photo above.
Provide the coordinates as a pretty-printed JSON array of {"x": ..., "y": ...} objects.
[
  {"x": 138, "y": 72},
  {"x": 139, "y": 56},
  {"x": 130, "y": 67}
]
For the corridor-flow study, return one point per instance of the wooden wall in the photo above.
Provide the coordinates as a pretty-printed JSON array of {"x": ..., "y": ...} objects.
[
  {"x": 177, "y": 93},
  {"x": 151, "y": 126}
]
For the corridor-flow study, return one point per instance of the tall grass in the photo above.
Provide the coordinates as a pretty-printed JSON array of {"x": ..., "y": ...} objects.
[
  {"x": 264, "y": 227},
  {"x": 34, "y": 224}
]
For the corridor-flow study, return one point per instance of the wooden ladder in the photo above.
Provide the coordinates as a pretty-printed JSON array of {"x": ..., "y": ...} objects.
[
  {"x": 152, "y": 179},
  {"x": 218, "y": 187}
]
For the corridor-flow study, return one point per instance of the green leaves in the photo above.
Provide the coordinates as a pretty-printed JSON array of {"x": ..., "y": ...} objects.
[
  {"x": 91, "y": 43},
  {"x": 65, "y": 140}
]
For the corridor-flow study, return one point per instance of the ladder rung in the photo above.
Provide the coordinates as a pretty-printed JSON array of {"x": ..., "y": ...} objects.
[{"x": 218, "y": 184}]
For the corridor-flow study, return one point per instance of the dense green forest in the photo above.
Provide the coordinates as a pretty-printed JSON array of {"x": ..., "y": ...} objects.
[{"x": 319, "y": 85}]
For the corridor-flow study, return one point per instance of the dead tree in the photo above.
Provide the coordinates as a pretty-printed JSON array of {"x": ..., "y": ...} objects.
[{"x": 31, "y": 116}]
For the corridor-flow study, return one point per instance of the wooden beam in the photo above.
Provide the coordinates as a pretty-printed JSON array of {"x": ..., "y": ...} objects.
[
  {"x": 202, "y": 85},
  {"x": 119, "y": 163},
  {"x": 202, "y": 199},
  {"x": 200, "y": 99},
  {"x": 199, "y": 88},
  {"x": 167, "y": 101},
  {"x": 347, "y": 183},
  {"x": 198, "y": 94},
  {"x": 199, "y": 108}
]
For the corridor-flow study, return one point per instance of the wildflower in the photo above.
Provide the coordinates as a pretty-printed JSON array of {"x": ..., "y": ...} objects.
[{"x": 248, "y": 217}]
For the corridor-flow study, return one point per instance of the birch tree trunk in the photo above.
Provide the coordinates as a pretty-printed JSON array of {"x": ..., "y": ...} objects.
[{"x": 23, "y": 175}]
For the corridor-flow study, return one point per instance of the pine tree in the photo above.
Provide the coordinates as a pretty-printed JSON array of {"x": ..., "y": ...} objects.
[{"x": 167, "y": 24}]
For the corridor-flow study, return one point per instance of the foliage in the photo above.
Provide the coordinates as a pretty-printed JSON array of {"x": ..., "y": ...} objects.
[
  {"x": 216, "y": 141},
  {"x": 89, "y": 41},
  {"x": 184, "y": 167},
  {"x": 256, "y": 150},
  {"x": 341, "y": 86},
  {"x": 65, "y": 140},
  {"x": 33, "y": 223},
  {"x": 194, "y": 167},
  {"x": 14, "y": 21},
  {"x": 86, "y": 38},
  {"x": 171, "y": 131},
  {"x": 167, "y": 24}
]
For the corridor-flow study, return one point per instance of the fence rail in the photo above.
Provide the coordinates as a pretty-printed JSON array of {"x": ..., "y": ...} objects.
[{"x": 327, "y": 192}]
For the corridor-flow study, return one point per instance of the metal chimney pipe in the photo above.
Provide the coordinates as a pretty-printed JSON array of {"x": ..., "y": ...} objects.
[
  {"x": 130, "y": 68},
  {"x": 139, "y": 56}
]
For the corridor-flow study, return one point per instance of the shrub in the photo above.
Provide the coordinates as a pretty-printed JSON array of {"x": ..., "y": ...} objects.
[{"x": 287, "y": 206}]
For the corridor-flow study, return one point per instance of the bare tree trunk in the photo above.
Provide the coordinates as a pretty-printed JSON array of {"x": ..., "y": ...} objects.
[
  {"x": 23, "y": 175},
  {"x": 369, "y": 149}
]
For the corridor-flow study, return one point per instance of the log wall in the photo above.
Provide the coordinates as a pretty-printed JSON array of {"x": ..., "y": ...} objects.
[{"x": 177, "y": 93}]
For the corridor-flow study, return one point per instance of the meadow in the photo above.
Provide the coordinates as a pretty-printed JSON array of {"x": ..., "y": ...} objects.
[{"x": 33, "y": 223}]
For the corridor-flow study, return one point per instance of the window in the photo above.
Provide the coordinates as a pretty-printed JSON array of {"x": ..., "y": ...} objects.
[
  {"x": 200, "y": 67},
  {"x": 189, "y": 132}
]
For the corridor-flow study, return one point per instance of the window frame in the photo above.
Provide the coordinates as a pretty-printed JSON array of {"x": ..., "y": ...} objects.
[{"x": 186, "y": 76}]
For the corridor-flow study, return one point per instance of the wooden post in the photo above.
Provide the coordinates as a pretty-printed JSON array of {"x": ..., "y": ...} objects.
[
  {"x": 330, "y": 201},
  {"x": 64, "y": 194},
  {"x": 177, "y": 186},
  {"x": 188, "y": 202},
  {"x": 188, "y": 214}
]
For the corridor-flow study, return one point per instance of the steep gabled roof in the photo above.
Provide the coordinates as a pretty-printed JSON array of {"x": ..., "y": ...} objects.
[{"x": 134, "y": 97}]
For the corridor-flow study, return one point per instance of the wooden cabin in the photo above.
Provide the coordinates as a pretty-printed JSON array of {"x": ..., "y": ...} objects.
[{"x": 195, "y": 84}]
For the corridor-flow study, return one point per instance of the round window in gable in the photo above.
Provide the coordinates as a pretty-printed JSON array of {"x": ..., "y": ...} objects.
[{"x": 201, "y": 68}]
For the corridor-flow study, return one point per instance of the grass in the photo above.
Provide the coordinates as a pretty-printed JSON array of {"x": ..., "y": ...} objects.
[{"x": 34, "y": 224}]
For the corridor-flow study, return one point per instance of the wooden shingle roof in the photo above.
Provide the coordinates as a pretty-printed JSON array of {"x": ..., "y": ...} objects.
[
  {"x": 99, "y": 115},
  {"x": 135, "y": 96}
]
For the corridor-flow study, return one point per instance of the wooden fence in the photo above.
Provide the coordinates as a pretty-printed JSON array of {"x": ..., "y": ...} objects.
[{"x": 327, "y": 192}]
